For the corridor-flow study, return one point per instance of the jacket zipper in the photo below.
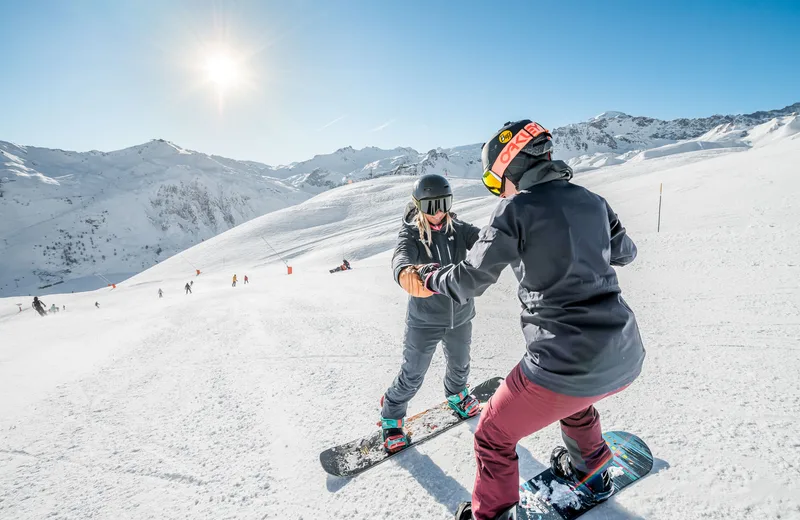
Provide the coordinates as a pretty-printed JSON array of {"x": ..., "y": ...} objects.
[{"x": 449, "y": 261}]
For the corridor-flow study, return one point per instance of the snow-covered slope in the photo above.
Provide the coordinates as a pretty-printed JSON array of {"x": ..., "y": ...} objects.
[
  {"x": 66, "y": 217},
  {"x": 216, "y": 404}
]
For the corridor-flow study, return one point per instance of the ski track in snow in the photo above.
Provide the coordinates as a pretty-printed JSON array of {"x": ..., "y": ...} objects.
[{"x": 217, "y": 404}]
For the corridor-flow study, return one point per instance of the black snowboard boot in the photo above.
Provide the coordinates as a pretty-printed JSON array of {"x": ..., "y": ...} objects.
[{"x": 599, "y": 486}]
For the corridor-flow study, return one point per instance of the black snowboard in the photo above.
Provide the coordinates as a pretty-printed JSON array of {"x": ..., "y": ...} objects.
[
  {"x": 361, "y": 454},
  {"x": 545, "y": 498}
]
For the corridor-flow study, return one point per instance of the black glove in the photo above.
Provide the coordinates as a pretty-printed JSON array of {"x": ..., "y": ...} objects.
[{"x": 425, "y": 270}]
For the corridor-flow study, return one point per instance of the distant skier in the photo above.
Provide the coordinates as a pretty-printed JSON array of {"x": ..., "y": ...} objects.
[
  {"x": 188, "y": 288},
  {"x": 234, "y": 281},
  {"x": 246, "y": 280},
  {"x": 160, "y": 293},
  {"x": 63, "y": 307},
  {"x": 583, "y": 343},
  {"x": 430, "y": 232},
  {"x": 53, "y": 309},
  {"x": 39, "y": 306},
  {"x": 97, "y": 304},
  {"x": 343, "y": 267},
  {"x": 191, "y": 283}
]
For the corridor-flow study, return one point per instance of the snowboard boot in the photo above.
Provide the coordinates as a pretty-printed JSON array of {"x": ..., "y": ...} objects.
[
  {"x": 394, "y": 438},
  {"x": 464, "y": 512},
  {"x": 599, "y": 486},
  {"x": 464, "y": 404}
]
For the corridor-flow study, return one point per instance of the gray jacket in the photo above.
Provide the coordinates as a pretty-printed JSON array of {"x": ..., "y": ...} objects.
[
  {"x": 562, "y": 241},
  {"x": 438, "y": 310}
]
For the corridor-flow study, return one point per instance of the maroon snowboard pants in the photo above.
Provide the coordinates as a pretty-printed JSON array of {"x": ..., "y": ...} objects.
[{"x": 518, "y": 409}]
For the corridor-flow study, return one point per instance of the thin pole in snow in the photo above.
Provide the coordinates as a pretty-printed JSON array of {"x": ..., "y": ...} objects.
[
  {"x": 273, "y": 250},
  {"x": 188, "y": 262},
  {"x": 660, "y": 189}
]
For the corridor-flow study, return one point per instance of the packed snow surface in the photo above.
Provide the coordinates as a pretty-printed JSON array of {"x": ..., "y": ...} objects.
[{"x": 216, "y": 404}]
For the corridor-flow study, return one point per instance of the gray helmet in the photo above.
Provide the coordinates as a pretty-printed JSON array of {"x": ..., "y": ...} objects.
[{"x": 432, "y": 193}]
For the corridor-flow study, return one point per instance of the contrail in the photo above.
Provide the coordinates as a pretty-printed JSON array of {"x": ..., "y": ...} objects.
[
  {"x": 381, "y": 127},
  {"x": 323, "y": 127}
]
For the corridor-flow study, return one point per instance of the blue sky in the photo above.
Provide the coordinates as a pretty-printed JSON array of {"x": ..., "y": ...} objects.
[{"x": 321, "y": 75}]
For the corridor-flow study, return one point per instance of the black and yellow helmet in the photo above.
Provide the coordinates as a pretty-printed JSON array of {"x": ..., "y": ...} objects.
[{"x": 512, "y": 150}]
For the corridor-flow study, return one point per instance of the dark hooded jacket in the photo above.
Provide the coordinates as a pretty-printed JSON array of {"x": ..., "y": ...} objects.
[
  {"x": 446, "y": 248},
  {"x": 562, "y": 241}
]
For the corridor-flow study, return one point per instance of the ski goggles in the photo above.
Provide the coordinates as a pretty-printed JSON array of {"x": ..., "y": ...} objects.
[
  {"x": 493, "y": 182},
  {"x": 434, "y": 206}
]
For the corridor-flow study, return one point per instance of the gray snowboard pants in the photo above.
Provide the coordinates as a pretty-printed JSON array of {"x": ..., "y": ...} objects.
[{"x": 419, "y": 345}]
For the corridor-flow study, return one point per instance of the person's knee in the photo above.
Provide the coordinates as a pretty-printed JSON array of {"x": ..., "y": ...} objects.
[
  {"x": 411, "y": 381},
  {"x": 490, "y": 438},
  {"x": 583, "y": 418}
]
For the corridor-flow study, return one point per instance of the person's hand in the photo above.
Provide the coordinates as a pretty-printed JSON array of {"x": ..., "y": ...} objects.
[{"x": 412, "y": 282}]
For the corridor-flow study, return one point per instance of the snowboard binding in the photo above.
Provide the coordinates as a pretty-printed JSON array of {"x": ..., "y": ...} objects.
[
  {"x": 598, "y": 486},
  {"x": 464, "y": 404},
  {"x": 394, "y": 437}
]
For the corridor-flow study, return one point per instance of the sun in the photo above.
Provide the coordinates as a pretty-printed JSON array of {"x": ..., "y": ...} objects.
[
  {"x": 222, "y": 70},
  {"x": 226, "y": 70}
]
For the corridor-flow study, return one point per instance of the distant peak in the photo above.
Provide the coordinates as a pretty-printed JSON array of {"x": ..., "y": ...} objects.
[
  {"x": 611, "y": 114},
  {"x": 172, "y": 145},
  {"x": 345, "y": 149}
]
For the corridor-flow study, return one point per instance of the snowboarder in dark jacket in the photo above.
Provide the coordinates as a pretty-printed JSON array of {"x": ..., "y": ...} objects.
[
  {"x": 345, "y": 265},
  {"x": 582, "y": 339},
  {"x": 39, "y": 306},
  {"x": 188, "y": 288},
  {"x": 430, "y": 232}
]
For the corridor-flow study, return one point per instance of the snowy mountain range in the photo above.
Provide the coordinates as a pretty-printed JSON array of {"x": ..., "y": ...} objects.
[{"x": 77, "y": 221}]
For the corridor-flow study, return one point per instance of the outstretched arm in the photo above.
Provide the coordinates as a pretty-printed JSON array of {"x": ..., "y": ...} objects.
[{"x": 499, "y": 243}]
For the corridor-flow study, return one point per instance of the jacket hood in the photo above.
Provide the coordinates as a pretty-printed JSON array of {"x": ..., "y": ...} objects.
[{"x": 544, "y": 171}]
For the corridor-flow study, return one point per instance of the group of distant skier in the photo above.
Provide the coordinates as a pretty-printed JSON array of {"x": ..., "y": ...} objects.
[
  {"x": 41, "y": 308},
  {"x": 188, "y": 287}
]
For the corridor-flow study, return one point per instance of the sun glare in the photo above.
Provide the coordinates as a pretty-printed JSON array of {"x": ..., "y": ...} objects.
[
  {"x": 225, "y": 70},
  {"x": 222, "y": 70}
]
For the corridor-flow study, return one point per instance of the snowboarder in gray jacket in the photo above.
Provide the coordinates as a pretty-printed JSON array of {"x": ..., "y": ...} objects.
[
  {"x": 582, "y": 339},
  {"x": 430, "y": 232}
]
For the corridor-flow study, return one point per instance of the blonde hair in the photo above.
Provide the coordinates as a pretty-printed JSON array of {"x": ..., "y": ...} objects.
[{"x": 424, "y": 228}]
